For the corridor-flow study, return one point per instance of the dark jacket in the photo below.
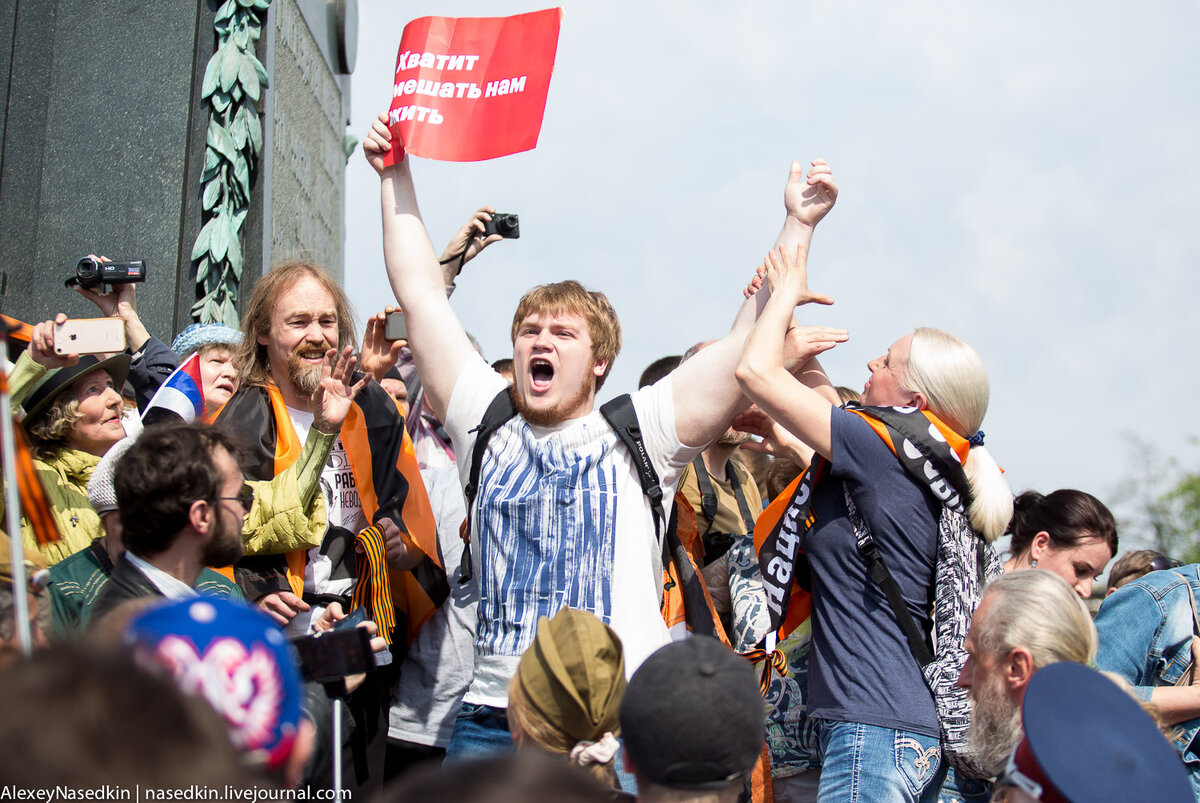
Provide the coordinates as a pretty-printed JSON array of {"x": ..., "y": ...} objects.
[
  {"x": 151, "y": 366},
  {"x": 125, "y": 583},
  {"x": 77, "y": 582}
]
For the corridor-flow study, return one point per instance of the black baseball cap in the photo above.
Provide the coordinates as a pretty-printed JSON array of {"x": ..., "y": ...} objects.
[{"x": 693, "y": 717}]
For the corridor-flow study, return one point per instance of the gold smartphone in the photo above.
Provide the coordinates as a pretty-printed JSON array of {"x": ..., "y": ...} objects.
[{"x": 89, "y": 336}]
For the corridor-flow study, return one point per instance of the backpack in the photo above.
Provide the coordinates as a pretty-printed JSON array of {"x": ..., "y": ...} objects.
[
  {"x": 679, "y": 570},
  {"x": 965, "y": 564}
]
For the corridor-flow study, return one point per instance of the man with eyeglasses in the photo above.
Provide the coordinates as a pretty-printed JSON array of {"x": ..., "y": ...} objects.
[
  {"x": 182, "y": 499},
  {"x": 1148, "y": 635}
]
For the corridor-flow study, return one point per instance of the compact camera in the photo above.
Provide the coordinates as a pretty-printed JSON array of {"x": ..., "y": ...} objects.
[
  {"x": 506, "y": 224},
  {"x": 90, "y": 272}
]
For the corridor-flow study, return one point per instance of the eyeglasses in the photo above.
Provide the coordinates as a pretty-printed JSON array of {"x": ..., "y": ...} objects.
[
  {"x": 245, "y": 498},
  {"x": 1162, "y": 563},
  {"x": 1014, "y": 777}
]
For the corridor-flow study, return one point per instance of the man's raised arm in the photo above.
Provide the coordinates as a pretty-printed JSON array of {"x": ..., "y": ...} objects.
[
  {"x": 439, "y": 344},
  {"x": 706, "y": 393}
]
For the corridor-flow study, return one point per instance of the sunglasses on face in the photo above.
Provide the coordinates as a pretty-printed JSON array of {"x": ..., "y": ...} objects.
[
  {"x": 245, "y": 498},
  {"x": 1162, "y": 563}
]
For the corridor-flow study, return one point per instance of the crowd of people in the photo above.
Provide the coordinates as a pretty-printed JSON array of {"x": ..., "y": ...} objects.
[{"x": 391, "y": 567}]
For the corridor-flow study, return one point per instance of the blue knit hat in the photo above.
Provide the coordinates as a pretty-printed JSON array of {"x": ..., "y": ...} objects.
[
  {"x": 236, "y": 659},
  {"x": 201, "y": 334}
]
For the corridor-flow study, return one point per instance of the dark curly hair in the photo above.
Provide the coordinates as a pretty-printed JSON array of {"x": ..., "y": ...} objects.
[{"x": 167, "y": 469}]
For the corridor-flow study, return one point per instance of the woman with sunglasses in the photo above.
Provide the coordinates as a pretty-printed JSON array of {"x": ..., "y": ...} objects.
[{"x": 1068, "y": 532}]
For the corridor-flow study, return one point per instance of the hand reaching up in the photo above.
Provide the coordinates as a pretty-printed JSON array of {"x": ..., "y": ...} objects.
[
  {"x": 379, "y": 143},
  {"x": 332, "y": 399},
  {"x": 787, "y": 276},
  {"x": 378, "y": 355},
  {"x": 776, "y": 440},
  {"x": 802, "y": 343},
  {"x": 468, "y": 241},
  {"x": 41, "y": 345},
  {"x": 808, "y": 198}
]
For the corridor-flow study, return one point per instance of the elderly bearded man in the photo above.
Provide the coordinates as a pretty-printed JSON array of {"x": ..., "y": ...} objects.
[{"x": 296, "y": 318}]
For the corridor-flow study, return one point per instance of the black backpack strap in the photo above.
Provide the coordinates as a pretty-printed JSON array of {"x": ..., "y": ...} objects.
[
  {"x": 621, "y": 416},
  {"x": 708, "y": 494},
  {"x": 880, "y": 575},
  {"x": 498, "y": 412},
  {"x": 748, "y": 516}
]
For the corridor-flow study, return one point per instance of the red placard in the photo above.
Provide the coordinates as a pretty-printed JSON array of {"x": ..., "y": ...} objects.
[{"x": 473, "y": 88}]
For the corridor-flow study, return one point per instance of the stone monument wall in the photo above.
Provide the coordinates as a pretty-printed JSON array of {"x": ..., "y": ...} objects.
[{"x": 102, "y": 137}]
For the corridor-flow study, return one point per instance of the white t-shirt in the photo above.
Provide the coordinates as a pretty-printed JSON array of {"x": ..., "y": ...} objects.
[
  {"x": 344, "y": 510},
  {"x": 560, "y": 520}
]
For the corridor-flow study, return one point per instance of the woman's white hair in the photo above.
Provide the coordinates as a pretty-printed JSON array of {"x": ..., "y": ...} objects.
[{"x": 950, "y": 376}]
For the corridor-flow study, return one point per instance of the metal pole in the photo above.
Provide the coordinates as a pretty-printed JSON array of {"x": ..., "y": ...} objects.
[
  {"x": 337, "y": 749},
  {"x": 13, "y": 517}
]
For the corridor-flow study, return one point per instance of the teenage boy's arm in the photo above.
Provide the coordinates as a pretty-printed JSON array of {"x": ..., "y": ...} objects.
[
  {"x": 706, "y": 393},
  {"x": 439, "y": 344}
]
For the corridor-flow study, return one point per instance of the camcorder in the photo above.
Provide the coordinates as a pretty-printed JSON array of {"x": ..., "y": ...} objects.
[
  {"x": 506, "y": 224},
  {"x": 333, "y": 654},
  {"x": 91, "y": 273}
]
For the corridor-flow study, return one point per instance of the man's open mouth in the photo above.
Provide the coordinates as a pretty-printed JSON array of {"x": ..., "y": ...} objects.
[
  {"x": 541, "y": 372},
  {"x": 311, "y": 354}
]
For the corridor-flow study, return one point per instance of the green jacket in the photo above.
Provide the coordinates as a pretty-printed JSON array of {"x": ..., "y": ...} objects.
[
  {"x": 77, "y": 581},
  {"x": 64, "y": 474},
  {"x": 287, "y": 514}
]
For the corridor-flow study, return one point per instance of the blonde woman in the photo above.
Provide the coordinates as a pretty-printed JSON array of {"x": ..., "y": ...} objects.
[{"x": 877, "y": 726}]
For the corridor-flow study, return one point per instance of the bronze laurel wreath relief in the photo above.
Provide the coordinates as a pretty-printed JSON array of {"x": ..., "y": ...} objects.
[{"x": 233, "y": 83}]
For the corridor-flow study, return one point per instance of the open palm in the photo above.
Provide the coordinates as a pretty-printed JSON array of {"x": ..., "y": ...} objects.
[{"x": 332, "y": 399}]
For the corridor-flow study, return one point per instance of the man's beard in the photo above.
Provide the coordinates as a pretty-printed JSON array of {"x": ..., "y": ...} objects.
[
  {"x": 553, "y": 415},
  {"x": 225, "y": 547},
  {"x": 306, "y": 378},
  {"x": 732, "y": 438},
  {"x": 995, "y": 726}
]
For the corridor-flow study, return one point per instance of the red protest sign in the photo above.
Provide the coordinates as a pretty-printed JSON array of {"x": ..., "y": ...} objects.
[{"x": 473, "y": 88}]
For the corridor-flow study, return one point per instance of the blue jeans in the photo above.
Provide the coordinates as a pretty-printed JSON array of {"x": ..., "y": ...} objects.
[
  {"x": 961, "y": 789},
  {"x": 479, "y": 731},
  {"x": 878, "y": 765}
]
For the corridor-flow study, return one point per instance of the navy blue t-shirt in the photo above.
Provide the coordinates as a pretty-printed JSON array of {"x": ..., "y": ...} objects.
[{"x": 860, "y": 666}]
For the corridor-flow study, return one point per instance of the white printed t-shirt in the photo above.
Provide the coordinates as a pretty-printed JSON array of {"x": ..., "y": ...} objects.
[
  {"x": 344, "y": 509},
  {"x": 560, "y": 520}
]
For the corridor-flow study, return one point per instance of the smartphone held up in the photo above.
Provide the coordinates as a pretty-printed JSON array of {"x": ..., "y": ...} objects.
[{"x": 89, "y": 336}]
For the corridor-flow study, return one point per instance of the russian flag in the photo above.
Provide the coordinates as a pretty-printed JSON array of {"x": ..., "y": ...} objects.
[{"x": 179, "y": 396}]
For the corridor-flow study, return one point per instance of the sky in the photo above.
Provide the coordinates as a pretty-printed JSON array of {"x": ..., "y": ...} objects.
[{"x": 1024, "y": 175}]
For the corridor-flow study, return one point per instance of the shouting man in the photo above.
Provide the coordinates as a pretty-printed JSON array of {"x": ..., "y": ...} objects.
[{"x": 559, "y": 517}]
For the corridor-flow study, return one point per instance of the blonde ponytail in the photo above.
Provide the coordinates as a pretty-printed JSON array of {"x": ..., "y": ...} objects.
[{"x": 950, "y": 376}]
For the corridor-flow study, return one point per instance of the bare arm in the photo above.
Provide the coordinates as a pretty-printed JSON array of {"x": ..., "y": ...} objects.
[
  {"x": 439, "y": 344},
  {"x": 762, "y": 374},
  {"x": 706, "y": 394},
  {"x": 1176, "y": 704},
  {"x": 466, "y": 244}
]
